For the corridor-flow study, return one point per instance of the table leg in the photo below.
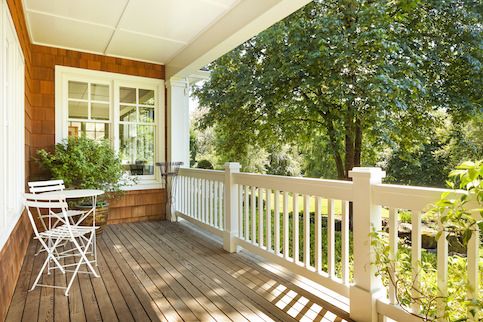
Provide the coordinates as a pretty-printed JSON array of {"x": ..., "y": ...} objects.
[{"x": 94, "y": 242}]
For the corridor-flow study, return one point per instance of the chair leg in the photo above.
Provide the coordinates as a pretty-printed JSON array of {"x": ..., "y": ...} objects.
[
  {"x": 83, "y": 259},
  {"x": 50, "y": 255}
]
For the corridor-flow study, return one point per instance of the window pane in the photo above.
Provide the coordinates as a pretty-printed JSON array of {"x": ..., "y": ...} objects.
[
  {"x": 78, "y": 110},
  {"x": 100, "y": 92},
  {"x": 127, "y": 95},
  {"x": 128, "y": 114},
  {"x": 146, "y": 114},
  {"x": 137, "y": 148},
  {"x": 78, "y": 90},
  {"x": 99, "y": 111},
  {"x": 97, "y": 131},
  {"x": 146, "y": 97}
]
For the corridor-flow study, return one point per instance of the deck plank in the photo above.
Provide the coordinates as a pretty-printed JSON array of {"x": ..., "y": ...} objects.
[
  {"x": 168, "y": 313},
  {"x": 119, "y": 304},
  {"x": 60, "y": 300},
  {"x": 76, "y": 305},
  {"x": 218, "y": 270},
  {"x": 219, "y": 297},
  {"x": 32, "y": 301},
  {"x": 143, "y": 297},
  {"x": 190, "y": 310},
  {"x": 173, "y": 300},
  {"x": 162, "y": 271},
  {"x": 261, "y": 278},
  {"x": 191, "y": 284},
  {"x": 126, "y": 288},
  {"x": 17, "y": 305}
]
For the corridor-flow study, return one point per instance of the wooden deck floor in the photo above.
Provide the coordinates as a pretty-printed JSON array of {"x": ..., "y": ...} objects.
[{"x": 163, "y": 271}]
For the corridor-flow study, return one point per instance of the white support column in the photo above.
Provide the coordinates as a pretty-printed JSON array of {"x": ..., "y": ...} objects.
[
  {"x": 178, "y": 128},
  {"x": 178, "y": 121},
  {"x": 231, "y": 207},
  {"x": 367, "y": 287}
]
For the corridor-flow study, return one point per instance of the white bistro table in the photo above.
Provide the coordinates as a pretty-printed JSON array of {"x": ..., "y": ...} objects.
[{"x": 78, "y": 194}]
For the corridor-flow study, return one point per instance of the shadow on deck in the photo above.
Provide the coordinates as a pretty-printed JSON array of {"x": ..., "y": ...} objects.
[{"x": 164, "y": 271}]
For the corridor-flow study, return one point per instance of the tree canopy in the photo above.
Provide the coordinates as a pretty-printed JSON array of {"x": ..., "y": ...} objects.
[{"x": 346, "y": 78}]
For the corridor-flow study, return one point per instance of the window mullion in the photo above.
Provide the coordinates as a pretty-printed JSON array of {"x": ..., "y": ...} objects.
[
  {"x": 115, "y": 117},
  {"x": 89, "y": 106}
]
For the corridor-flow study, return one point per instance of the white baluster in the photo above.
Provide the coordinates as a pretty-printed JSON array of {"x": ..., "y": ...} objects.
[
  {"x": 330, "y": 238},
  {"x": 306, "y": 231},
  {"x": 393, "y": 246},
  {"x": 295, "y": 228},
  {"x": 260, "y": 217},
  {"x": 268, "y": 197},
  {"x": 247, "y": 231},
  {"x": 277, "y": 222},
  {"x": 345, "y": 241},
  {"x": 416, "y": 257},
  {"x": 472, "y": 268},
  {"x": 221, "y": 200},
  {"x": 318, "y": 235},
  {"x": 285, "y": 226},
  {"x": 254, "y": 215},
  {"x": 240, "y": 211},
  {"x": 216, "y": 205}
]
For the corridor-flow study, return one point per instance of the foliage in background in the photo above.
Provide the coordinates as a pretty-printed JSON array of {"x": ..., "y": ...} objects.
[
  {"x": 458, "y": 219},
  {"x": 204, "y": 164},
  {"x": 214, "y": 145},
  {"x": 85, "y": 164},
  {"x": 430, "y": 162},
  {"x": 352, "y": 82}
]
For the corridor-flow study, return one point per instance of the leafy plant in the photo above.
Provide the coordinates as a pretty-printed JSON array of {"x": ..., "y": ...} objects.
[
  {"x": 458, "y": 218},
  {"x": 84, "y": 163},
  {"x": 204, "y": 164}
]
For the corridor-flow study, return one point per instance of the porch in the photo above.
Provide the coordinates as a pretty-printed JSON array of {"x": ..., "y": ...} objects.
[{"x": 171, "y": 271}]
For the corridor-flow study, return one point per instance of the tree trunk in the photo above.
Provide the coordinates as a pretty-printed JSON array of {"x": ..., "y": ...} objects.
[
  {"x": 349, "y": 143},
  {"x": 358, "y": 143},
  {"x": 339, "y": 164}
]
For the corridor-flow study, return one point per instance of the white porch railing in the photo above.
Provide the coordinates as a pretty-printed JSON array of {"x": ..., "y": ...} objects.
[{"x": 261, "y": 213}]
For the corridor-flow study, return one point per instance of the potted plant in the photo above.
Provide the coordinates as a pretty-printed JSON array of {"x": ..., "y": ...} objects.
[{"x": 85, "y": 163}]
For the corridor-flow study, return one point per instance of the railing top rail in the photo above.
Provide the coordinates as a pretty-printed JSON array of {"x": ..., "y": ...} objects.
[
  {"x": 409, "y": 197},
  {"x": 336, "y": 189},
  {"x": 214, "y": 175}
]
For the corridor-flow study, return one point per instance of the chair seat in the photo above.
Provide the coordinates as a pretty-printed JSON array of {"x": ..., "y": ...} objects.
[
  {"x": 71, "y": 213},
  {"x": 63, "y": 231}
]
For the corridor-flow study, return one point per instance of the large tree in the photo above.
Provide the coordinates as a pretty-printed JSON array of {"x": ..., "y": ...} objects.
[{"x": 347, "y": 72}]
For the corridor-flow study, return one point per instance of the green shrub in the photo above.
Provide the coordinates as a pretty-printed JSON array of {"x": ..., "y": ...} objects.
[
  {"x": 405, "y": 217},
  {"x": 204, "y": 164},
  {"x": 84, "y": 164},
  {"x": 456, "y": 219}
]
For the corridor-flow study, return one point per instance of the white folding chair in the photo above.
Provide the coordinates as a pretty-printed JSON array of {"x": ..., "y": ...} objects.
[
  {"x": 36, "y": 187},
  {"x": 51, "y": 239}
]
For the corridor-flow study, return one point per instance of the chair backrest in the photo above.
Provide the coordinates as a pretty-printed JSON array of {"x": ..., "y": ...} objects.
[
  {"x": 44, "y": 202},
  {"x": 46, "y": 186}
]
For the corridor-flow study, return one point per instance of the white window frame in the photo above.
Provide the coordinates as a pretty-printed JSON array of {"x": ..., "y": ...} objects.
[
  {"x": 64, "y": 74},
  {"x": 12, "y": 125}
]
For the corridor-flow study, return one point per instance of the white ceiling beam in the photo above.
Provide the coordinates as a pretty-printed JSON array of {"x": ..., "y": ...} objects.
[{"x": 244, "y": 21}]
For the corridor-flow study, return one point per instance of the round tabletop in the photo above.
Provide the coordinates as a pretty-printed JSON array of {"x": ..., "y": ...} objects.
[{"x": 74, "y": 193}]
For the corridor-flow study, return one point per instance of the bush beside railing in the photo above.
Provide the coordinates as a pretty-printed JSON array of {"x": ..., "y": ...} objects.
[{"x": 271, "y": 216}]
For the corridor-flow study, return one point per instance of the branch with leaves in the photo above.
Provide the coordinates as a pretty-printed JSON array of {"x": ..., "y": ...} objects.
[{"x": 459, "y": 217}]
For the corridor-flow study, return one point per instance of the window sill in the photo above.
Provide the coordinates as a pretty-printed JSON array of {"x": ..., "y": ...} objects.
[{"x": 145, "y": 185}]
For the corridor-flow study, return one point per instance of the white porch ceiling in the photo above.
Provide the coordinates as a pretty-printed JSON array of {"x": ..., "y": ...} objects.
[
  {"x": 146, "y": 30},
  {"x": 184, "y": 35}
]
